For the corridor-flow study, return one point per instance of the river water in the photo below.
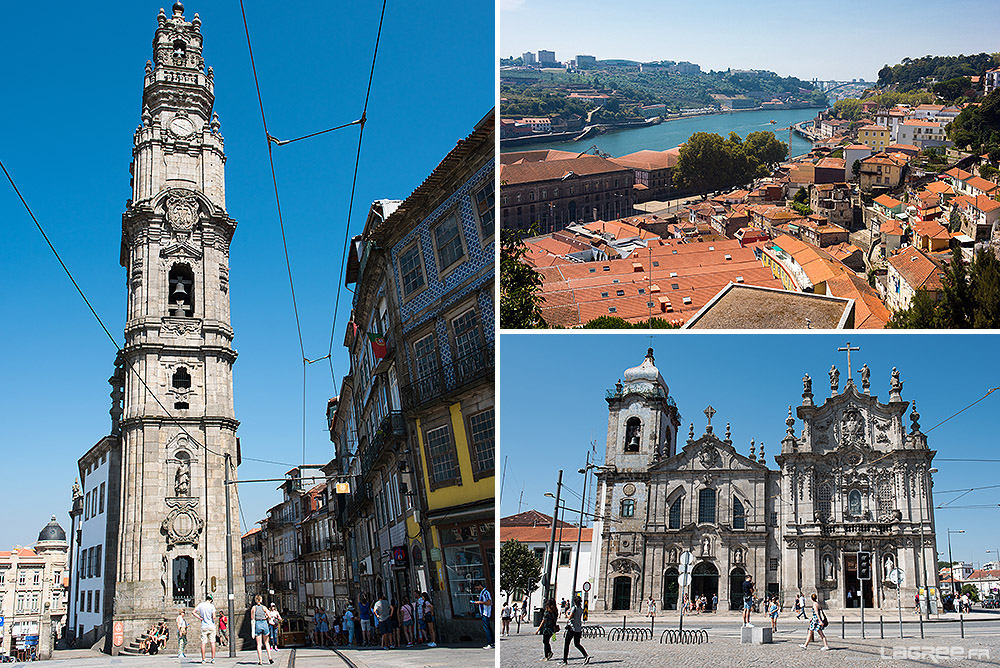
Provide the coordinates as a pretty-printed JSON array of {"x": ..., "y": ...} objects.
[{"x": 673, "y": 133}]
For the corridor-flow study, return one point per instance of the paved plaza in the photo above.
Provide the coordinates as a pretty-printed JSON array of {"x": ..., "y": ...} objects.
[
  {"x": 464, "y": 656},
  {"x": 941, "y": 645}
]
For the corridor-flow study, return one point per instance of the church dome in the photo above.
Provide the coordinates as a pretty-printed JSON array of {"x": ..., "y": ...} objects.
[
  {"x": 52, "y": 532},
  {"x": 646, "y": 374}
]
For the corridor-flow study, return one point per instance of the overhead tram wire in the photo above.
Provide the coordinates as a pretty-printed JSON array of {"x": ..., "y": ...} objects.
[
  {"x": 350, "y": 206},
  {"x": 76, "y": 285},
  {"x": 991, "y": 391}
]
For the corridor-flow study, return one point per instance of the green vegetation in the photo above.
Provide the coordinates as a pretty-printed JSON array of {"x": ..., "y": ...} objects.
[
  {"x": 614, "y": 322},
  {"x": 847, "y": 109},
  {"x": 801, "y": 202},
  {"x": 911, "y": 73},
  {"x": 970, "y": 297},
  {"x": 531, "y": 101},
  {"x": 520, "y": 569},
  {"x": 978, "y": 127},
  {"x": 955, "y": 90},
  {"x": 709, "y": 163},
  {"x": 520, "y": 284}
]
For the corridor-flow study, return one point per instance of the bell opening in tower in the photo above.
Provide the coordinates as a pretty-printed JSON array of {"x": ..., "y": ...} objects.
[{"x": 181, "y": 291}]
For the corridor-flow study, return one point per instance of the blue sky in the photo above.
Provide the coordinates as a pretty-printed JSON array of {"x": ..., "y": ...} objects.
[
  {"x": 806, "y": 39},
  {"x": 551, "y": 404},
  {"x": 73, "y": 87}
]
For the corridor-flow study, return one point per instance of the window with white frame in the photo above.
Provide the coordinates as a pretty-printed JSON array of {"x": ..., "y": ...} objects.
[
  {"x": 411, "y": 271},
  {"x": 448, "y": 242}
]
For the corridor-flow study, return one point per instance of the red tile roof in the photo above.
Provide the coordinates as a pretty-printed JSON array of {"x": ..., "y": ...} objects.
[{"x": 917, "y": 269}]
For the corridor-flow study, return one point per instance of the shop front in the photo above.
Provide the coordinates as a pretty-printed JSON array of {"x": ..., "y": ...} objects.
[{"x": 467, "y": 554}]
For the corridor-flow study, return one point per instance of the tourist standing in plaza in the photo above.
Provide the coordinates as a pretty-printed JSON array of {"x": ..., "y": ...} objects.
[
  {"x": 273, "y": 624},
  {"x": 548, "y": 628},
  {"x": 383, "y": 627},
  {"x": 261, "y": 630},
  {"x": 715, "y": 602},
  {"x": 772, "y": 612},
  {"x": 816, "y": 625},
  {"x": 182, "y": 633},
  {"x": 365, "y": 615},
  {"x": 349, "y": 624},
  {"x": 574, "y": 630},
  {"x": 506, "y": 614},
  {"x": 206, "y": 613},
  {"x": 429, "y": 620},
  {"x": 747, "y": 599},
  {"x": 406, "y": 621},
  {"x": 485, "y": 604}
]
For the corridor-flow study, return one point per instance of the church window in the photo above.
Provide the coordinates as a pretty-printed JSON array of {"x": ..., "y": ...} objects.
[
  {"x": 628, "y": 508},
  {"x": 633, "y": 427},
  {"x": 675, "y": 515},
  {"x": 181, "y": 379},
  {"x": 854, "y": 502},
  {"x": 181, "y": 291},
  {"x": 739, "y": 515},
  {"x": 179, "y": 49},
  {"x": 772, "y": 564},
  {"x": 823, "y": 498},
  {"x": 884, "y": 497},
  {"x": 706, "y": 506}
]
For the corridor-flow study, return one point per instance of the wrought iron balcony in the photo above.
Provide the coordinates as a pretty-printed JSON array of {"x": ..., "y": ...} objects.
[
  {"x": 392, "y": 428},
  {"x": 450, "y": 378}
]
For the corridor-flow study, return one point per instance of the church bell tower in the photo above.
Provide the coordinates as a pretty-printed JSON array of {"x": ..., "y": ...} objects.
[{"x": 178, "y": 426}]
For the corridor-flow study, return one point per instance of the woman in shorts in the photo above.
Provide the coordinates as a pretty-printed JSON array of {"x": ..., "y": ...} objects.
[
  {"x": 816, "y": 625},
  {"x": 406, "y": 621},
  {"x": 261, "y": 629},
  {"x": 429, "y": 620}
]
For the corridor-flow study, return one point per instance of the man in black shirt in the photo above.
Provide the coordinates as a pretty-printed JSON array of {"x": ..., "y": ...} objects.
[{"x": 747, "y": 599}]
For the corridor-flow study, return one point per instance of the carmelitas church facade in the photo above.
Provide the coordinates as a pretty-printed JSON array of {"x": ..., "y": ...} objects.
[{"x": 852, "y": 478}]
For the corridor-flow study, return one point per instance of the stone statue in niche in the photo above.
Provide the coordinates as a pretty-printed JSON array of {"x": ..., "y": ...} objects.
[
  {"x": 706, "y": 547},
  {"x": 889, "y": 565},
  {"x": 182, "y": 479},
  {"x": 827, "y": 567}
]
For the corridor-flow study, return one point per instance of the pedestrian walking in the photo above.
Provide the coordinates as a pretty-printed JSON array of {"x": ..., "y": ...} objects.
[
  {"x": 273, "y": 624},
  {"x": 406, "y": 621},
  {"x": 574, "y": 630},
  {"x": 524, "y": 610},
  {"x": 261, "y": 629},
  {"x": 322, "y": 626},
  {"x": 651, "y": 608},
  {"x": 182, "y": 633},
  {"x": 748, "y": 601},
  {"x": 548, "y": 628},
  {"x": 205, "y": 612},
  {"x": 506, "y": 614},
  {"x": 816, "y": 625},
  {"x": 223, "y": 627},
  {"x": 429, "y": 620},
  {"x": 484, "y": 602},
  {"x": 772, "y": 612}
]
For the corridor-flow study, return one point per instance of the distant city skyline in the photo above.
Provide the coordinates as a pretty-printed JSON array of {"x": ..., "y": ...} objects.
[{"x": 863, "y": 36}]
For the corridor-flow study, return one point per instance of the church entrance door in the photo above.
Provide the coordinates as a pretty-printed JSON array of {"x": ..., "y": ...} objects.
[
  {"x": 852, "y": 584},
  {"x": 704, "y": 581},
  {"x": 736, "y": 579},
  {"x": 621, "y": 598},
  {"x": 670, "y": 589},
  {"x": 183, "y": 580}
]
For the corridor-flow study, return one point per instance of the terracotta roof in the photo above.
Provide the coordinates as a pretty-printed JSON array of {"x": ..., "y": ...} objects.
[
  {"x": 841, "y": 250},
  {"x": 649, "y": 159},
  {"x": 869, "y": 311},
  {"x": 958, "y": 174},
  {"x": 981, "y": 184},
  {"x": 620, "y": 229},
  {"x": 875, "y": 128},
  {"x": 530, "y": 518},
  {"x": 544, "y": 534},
  {"x": 831, "y": 163},
  {"x": 932, "y": 229},
  {"x": 986, "y": 204},
  {"x": 554, "y": 170},
  {"x": 918, "y": 270},
  {"x": 887, "y": 201},
  {"x": 535, "y": 156},
  {"x": 817, "y": 264},
  {"x": 892, "y": 227},
  {"x": 940, "y": 188},
  {"x": 857, "y": 147},
  {"x": 251, "y": 532}
]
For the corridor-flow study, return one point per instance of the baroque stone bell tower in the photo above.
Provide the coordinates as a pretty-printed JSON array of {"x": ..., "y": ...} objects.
[{"x": 178, "y": 422}]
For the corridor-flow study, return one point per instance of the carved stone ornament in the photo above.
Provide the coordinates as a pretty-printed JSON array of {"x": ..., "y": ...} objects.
[
  {"x": 182, "y": 525},
  {"x": 182, "y": 210},
  {"x": 709, "y": 457},
  {"x": 628, "y": 489},
  {"x": 624, "y": 566},
  {"x": 852, "y": 428},
  {"x": 180, "y": 326}
]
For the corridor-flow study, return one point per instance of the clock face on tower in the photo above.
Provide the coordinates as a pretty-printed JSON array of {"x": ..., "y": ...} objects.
[{"x": 181, "y": 127}]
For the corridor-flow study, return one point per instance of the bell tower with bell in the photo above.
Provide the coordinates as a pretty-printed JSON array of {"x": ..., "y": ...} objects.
[{"x": 178, "y": 428}]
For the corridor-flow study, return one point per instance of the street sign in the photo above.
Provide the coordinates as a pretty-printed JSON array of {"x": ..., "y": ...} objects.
[
  {"x": 895, "y": 576},
  {"x": 118, "y": 634},
  {"x": 586, "y": 587},
  {"x": 687, "y": 559},
  {"x": 684, "y": 579},
  {"x": 1, "y": 621}
]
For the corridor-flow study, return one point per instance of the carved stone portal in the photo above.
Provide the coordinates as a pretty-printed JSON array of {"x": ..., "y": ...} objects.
[{"x": 182, "y": 210}]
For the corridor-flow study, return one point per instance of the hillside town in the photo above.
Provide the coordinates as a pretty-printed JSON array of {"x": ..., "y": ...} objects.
[{"x": 843, "y": 236}]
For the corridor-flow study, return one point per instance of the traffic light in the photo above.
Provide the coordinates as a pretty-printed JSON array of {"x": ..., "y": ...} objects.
[{"x": 864, "y": 565}]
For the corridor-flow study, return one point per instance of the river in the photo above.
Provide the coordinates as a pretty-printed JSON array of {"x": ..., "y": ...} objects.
[{"x": 673, "y": 133}]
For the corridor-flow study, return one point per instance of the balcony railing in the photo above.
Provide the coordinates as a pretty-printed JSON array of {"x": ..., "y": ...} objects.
[
  {"x": 449, "y": 378},
  {"x": 392, "y": 427}
]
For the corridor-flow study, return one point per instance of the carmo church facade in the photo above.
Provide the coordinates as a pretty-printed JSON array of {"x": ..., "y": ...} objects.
[{"x": 853, "y": 475}]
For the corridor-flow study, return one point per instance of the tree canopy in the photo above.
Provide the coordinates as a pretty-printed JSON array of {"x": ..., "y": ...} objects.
[
  {"x": 978, "y": 127},
  {"x": 520, "y": 285},
  {"x": 970, "y": 297},
  {"x": 910, "y": 73},
  {"x": 708, "y": 163},
  {"x": 520, "y": 569}
]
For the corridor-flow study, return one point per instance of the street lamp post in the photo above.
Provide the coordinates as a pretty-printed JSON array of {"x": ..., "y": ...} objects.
[
  {"x": 579, "y": 533},
  {"x": 552, "y": 544}
]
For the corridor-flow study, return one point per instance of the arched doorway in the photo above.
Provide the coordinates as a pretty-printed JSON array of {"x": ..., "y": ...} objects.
[
  {"x": 621, "y": 596},
  {"x": 704, "y": 581},
  {"x": 670, "y": 589},
  {"x": 736, "y": 578}
]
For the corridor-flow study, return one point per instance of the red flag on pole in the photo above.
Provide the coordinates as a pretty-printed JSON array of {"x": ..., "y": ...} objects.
[{"x": 378, "y": 345}]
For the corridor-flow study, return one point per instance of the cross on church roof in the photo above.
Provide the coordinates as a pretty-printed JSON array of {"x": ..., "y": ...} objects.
[
  {"x": 709, "y": 412},
  {"x": 848, "y": 350}
]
